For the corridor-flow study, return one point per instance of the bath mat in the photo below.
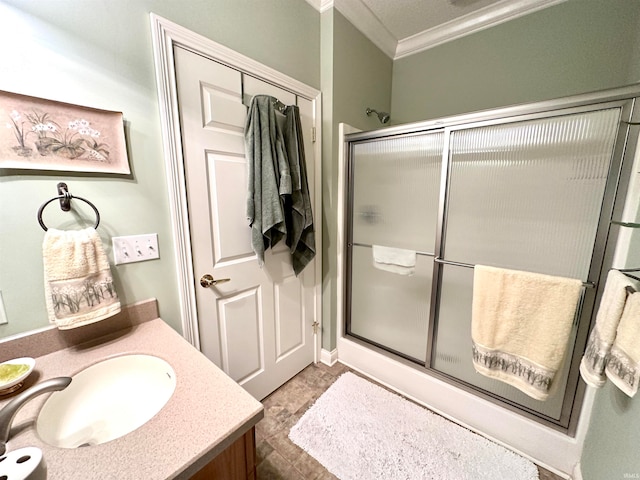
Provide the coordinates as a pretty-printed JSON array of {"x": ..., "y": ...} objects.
[{"x": 358, "y": 430}]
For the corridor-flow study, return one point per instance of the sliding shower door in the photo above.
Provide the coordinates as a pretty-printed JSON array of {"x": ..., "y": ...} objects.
[
  {"x": 525, "y": 196},
  {"x": 395, "y": 185},
  {"x": 531, "y": 191}
]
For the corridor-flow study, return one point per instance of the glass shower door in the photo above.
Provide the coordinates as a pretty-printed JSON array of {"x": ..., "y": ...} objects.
[
  {"x": 525, "y": 196},
  {"x": 395, "y": 187}
]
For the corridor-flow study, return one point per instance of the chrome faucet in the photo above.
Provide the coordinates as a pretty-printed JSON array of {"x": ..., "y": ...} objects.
[{"x": 10, "y": 409}]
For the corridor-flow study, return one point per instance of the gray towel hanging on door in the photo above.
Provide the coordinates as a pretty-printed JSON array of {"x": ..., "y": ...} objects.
[
  {"x": 278, "y": 202},
  {"x": 300, "y": 231},
  {"x": 268, "y": 175}
]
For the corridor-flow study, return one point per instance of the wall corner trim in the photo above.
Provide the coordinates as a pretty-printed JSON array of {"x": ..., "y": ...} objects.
[
  {"x": 329, "y": 357},
  {"x": 365, "y": 20}
]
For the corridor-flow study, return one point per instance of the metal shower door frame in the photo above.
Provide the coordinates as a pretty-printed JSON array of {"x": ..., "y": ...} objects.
[
  {"x": 613, "y": 203},
  {"x": 596, "y": 265}
]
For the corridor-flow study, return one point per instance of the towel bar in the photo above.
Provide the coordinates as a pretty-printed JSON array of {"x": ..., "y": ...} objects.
[
  {"x": 426, "y": 254},
  {"x": 469, "y": 265}
]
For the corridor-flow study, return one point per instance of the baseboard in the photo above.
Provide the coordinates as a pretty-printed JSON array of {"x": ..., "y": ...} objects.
[{"x": 329, "y": 357}]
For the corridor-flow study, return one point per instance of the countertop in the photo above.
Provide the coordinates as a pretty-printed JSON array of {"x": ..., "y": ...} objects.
[{"x": 207, "y": 412}]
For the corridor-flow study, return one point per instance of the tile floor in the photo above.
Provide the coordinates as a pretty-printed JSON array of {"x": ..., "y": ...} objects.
[{"x": 278, "y": 457}]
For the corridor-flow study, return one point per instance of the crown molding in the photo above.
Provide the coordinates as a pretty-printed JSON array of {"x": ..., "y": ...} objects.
[
  {"x": 364, "y": 20},
  {"x": 325, "y": 5},
  {"x": 321, "y": 5},
  {"x": 487, "y": 17}
]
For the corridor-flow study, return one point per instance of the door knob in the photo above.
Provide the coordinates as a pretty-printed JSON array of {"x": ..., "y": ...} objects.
[{"x": 208, "y": 281}]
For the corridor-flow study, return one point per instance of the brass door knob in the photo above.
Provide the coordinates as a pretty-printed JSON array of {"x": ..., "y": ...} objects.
[{"x": 208, "y": 281}]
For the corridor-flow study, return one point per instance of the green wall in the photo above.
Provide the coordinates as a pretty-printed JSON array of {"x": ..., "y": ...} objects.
[
  {"x": 360, "y": 77},
  {"x": 611, "y": 447},
  {"x": 574, "y": 47},
  {"x": 98, "y": 53}
]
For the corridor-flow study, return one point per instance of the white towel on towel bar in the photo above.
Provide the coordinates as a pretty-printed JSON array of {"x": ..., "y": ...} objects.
[
  {"x": 520, "y": 326},
  {"x": 623, "y": 364},
  {"x": 394, "y": 260},
  {"x": 596, "y": 354},
  {"x": 77, "y": 279}
]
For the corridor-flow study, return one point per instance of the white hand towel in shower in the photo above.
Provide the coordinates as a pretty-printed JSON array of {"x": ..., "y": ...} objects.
[
  {"x": 596, "y": 354},
  {"x": 77, "y": 280},
  {"x": 394, "y": 260}
]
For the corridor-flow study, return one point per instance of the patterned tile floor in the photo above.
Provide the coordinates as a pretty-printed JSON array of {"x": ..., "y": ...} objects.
[{"x": 278, "y": 457}]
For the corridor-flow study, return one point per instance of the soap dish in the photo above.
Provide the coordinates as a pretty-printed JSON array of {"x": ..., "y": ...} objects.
[{"x": 14, "y": 382}]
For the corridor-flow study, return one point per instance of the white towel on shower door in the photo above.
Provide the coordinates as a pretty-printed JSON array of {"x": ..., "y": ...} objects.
[{"x": 394, "y": 260}]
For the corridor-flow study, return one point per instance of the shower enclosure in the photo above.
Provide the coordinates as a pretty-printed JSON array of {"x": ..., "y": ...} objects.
[{"x": 531, "y": 188}]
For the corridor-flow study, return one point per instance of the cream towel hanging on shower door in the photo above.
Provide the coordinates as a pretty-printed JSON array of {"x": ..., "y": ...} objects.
[{"x": 520, "y": 326}]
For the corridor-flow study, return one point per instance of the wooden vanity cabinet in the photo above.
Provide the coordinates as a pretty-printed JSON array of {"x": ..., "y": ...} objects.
[{"x": 236, "y": 462}]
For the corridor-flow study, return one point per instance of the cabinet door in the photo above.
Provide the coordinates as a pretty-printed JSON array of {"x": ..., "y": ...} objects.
[{"x": 236, "y": 462}]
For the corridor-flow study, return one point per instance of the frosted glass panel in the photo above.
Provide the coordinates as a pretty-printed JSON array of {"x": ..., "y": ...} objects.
[
  {"x": 452, "y": 351},
  {"x": 395, "y": 191},
  {"x": 527, "y": 195},
  {"x": 390, "y": 309}
]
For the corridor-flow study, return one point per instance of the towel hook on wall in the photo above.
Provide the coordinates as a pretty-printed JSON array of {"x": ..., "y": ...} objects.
[
  {"x": 65, "y": 201},
  {"x": 65, "y": 204}
]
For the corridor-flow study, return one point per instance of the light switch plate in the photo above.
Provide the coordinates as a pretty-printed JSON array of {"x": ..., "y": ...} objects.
[{"x": 135, "y": 248}]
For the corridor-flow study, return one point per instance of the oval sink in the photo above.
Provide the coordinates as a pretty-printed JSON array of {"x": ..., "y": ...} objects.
[{"x": 106, "y": 401}]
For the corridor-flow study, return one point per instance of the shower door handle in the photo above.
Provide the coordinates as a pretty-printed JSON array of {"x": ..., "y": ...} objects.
[{"x": 207, "y": 281}]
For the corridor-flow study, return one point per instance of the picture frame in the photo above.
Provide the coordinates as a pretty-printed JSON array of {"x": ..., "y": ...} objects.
[{"x": 41, "y": 134}]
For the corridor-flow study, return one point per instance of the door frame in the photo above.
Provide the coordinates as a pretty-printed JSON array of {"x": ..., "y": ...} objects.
[{"x": 165, "y": 34}]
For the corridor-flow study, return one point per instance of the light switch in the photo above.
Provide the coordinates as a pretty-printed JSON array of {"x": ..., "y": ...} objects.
[{"x": 135, "y": 248}]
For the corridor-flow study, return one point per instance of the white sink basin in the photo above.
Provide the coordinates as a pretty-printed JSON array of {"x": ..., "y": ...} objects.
[{"x": 106, "y": 401}]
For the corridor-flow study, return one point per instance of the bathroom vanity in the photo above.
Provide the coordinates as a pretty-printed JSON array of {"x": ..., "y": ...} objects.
[{"x": 204, "y": 431}]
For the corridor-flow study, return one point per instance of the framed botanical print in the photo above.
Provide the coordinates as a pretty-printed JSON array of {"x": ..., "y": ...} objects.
[{"x": 41, "y": 134}]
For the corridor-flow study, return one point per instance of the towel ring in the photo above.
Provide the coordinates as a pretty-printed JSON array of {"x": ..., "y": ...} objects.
[{"x": 66, "y": 196}]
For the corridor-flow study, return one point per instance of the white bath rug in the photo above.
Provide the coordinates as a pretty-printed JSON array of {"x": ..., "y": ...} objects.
[{"x": 358, "y": 430}]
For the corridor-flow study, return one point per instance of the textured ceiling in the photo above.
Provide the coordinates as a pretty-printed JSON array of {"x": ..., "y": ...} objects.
[{"x": 404, "y": 18}]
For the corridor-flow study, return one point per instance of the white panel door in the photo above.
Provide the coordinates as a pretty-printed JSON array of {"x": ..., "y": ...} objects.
[{"x": 257, "y": 326}]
